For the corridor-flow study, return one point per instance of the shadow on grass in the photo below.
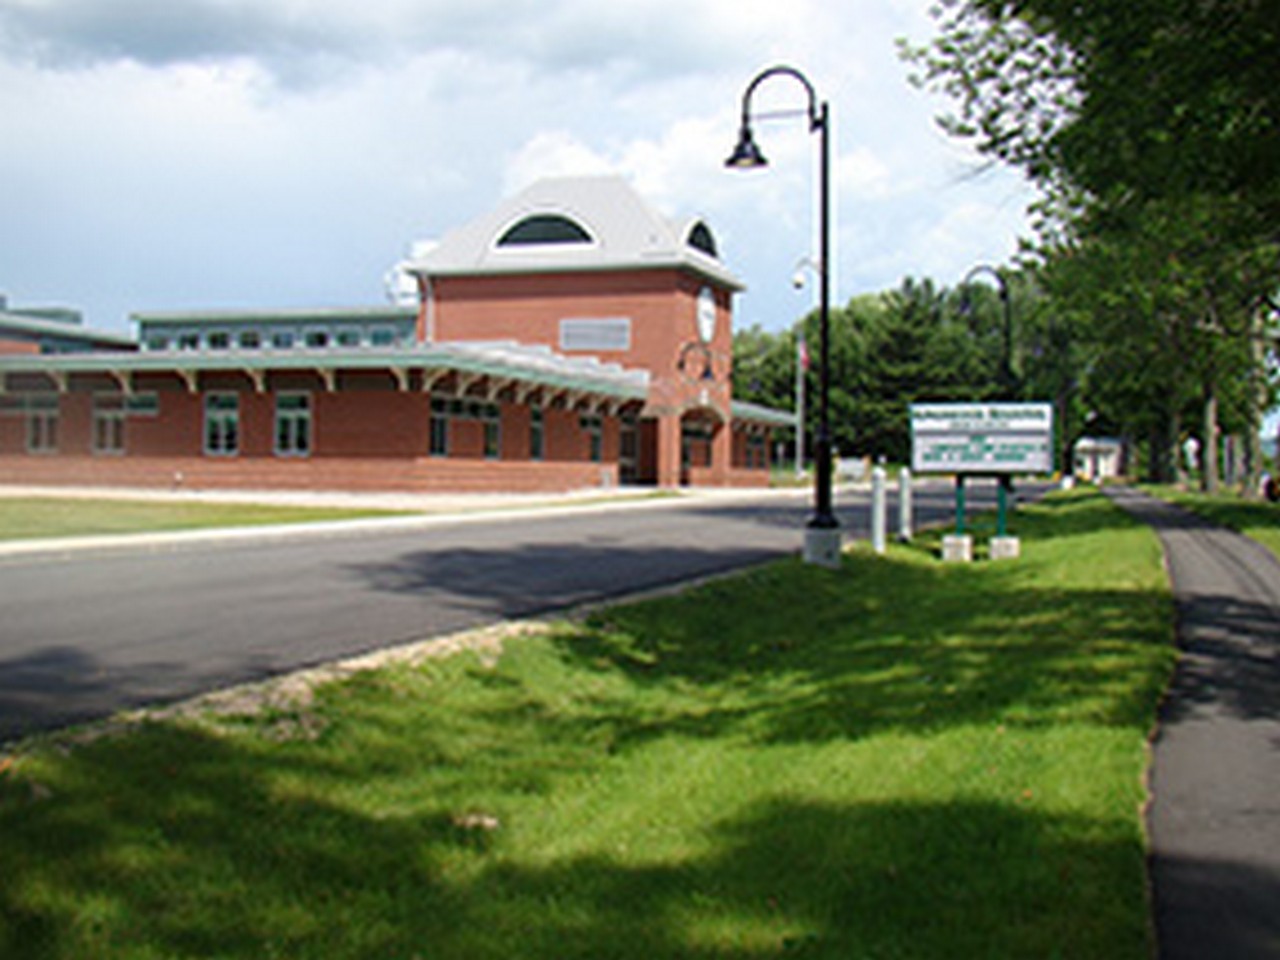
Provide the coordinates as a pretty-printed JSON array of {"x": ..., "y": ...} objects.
[
  {"x": 179, "y": 844},
  {"x": 894, "y": 644}
]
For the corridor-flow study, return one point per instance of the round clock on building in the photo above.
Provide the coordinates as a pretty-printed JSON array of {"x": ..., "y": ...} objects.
[{"x": 706, "y": 315}]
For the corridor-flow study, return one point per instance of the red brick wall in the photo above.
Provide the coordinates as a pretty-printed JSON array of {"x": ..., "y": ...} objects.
[
  {"x": 363, "y": 440},
  {"x": 18, "y": 346},
  {"x": 661, "y": 304},
  {"x": 414, "y": 475},
  {"x": 176, "y": 431},
  {"x": 662, "y": 307},
  {"x": 13, "y": 433},
  {"x": 369, "y": 424}
]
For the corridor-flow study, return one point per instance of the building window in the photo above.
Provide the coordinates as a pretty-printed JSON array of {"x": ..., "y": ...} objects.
[
  {"x": 491, "y": 416},
  {"x": 220, "y": 340},
  {"x": 157, "y": 343},
  {"x": 695, "y": 446},
  {"x": 439, "y": 428},
  {"x": 42, "y": 424},
  {"x": 317, "y": 339},
  {"x": 189, "y": 341},
  {"x": 383, "y": 337},
  {"x": 701, "y": 238},
  {"x": 628, "y": 447},
  {"x": 250, "y": 340},
  {"x": 544, "y": 228},
  {"x": 293, "y": 425},
  {"x": 108, "y": 425},
  {"x": 142, "y": 405},
  {"x": 282, "y": 340},
  {"x": 593, "y": 424},
  {"x": 537, "y": 434},
  {"x": 222, "y": 424},
  {"x": 349, "y": 337}
]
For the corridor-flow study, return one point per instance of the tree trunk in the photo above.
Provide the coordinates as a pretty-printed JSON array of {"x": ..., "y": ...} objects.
[
  {"x": 1178, "y": 466},
  {"x": 1209, "y": 442},
  {"x": 1160, "y": 456},
  {"x": 1253, "y": 419}
]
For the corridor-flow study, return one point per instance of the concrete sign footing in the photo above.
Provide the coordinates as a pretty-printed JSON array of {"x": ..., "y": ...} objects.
[
  {"x": 1005, "y": 548},
  {"x": 822, "y": 546},
  {"x": 957, "y": 548}
]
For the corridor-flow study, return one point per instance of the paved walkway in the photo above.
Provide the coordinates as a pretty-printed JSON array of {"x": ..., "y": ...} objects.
[{"x": 1214, "y": 821}]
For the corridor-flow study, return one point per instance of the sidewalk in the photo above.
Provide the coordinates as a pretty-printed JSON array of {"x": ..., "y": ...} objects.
[{"x": 1214, "y": 821}]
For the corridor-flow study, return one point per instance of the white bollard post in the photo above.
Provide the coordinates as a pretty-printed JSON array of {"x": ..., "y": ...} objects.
[
  {"x": 879, "y": 509},
  {"x": 904, "y": 506}
]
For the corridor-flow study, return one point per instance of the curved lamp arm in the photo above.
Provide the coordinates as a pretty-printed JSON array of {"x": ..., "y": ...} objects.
[{"x": 746, "y": 155}]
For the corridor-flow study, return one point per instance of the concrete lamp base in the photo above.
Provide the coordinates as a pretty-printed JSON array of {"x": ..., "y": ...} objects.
[
  {"x": 957, "y": 548},
  {"x": 1005, "y": 548},
  {"x": 822, "y": 546}
]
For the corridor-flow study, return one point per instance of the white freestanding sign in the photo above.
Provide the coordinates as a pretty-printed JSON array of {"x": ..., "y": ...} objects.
[{"x": 982, "y": 438}]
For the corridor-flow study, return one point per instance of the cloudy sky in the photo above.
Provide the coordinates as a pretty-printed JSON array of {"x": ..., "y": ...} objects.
[{"x": 209, "y": 154}]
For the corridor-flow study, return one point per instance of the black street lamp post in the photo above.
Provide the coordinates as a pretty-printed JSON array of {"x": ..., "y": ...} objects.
[
  {"x": 822, "y": 534},
  {"x": 1007, "y": 385},
  {"x": 1006, "y": 363}
]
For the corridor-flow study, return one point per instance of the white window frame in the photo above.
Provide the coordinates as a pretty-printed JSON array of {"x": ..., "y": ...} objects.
[
  {"x": 42, "y": 425},
  {"x": 109, "y": 415},
  {"x": 221, "y": 427},
  {"x": 491, "y": 419},
  {"x": 294, "y": 428}
]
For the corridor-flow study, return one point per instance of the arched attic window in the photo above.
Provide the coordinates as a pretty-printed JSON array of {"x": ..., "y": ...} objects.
[
  {"x": 701, "y": 238},
  {"x": 544, "y": 228}
]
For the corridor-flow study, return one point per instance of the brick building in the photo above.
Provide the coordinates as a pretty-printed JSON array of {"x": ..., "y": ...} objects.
[{"x": 572, "y": 337}]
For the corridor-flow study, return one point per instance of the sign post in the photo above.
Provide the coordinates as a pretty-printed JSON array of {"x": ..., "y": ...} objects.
[{"x": 982, "y": 440}]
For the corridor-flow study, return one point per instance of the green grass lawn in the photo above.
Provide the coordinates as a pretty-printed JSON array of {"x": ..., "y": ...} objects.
[
  {"x": 23, "y": 518},
  {"x": 1257, "y": 519},
  {"x": 899, "y": 759}
]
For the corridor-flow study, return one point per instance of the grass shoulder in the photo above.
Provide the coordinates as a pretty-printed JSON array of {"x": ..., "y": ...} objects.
[
  {"x": 26, "y": 518},
  {"x": 1256, "y": 519}
]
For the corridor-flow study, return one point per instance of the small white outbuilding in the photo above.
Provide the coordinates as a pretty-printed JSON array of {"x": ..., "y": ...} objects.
[{"x": 1096, "y": 459}]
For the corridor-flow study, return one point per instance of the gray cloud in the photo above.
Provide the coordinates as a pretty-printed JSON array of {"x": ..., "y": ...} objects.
[
  {"x": 295, "y": 41},
  {"x": 153, "y": 32}
]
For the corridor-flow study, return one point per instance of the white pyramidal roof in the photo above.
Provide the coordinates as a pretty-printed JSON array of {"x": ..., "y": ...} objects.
[{"x": 619, "y": 230}]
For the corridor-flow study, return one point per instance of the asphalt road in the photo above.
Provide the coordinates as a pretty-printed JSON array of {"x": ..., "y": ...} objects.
[{"x": 89, "y": 633}]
